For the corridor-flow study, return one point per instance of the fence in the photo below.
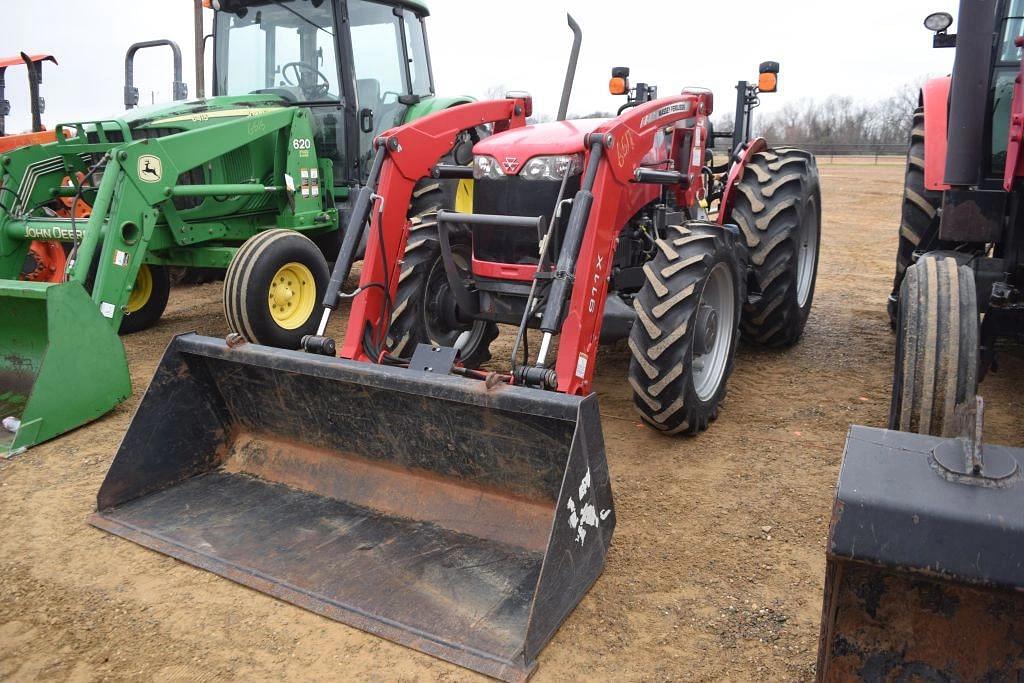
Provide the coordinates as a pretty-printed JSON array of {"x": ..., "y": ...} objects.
[{"x": 829, "y": 153}]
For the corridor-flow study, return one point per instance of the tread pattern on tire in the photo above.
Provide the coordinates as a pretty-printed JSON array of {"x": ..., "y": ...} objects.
[
  {"x": 777, "y": 188},
  {"x": 937, "y": 347},
  {"x": 919, "y": 215},
  {"x": 237, "y": 281},
  {"x": 660, "y": 343},
  {"x": 422, "y": 251}
]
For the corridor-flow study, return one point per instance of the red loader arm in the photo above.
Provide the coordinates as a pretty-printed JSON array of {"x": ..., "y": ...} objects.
[
  {"x": 632, "y": 135},
  {"x": 411, "y": 151},
  {"x": 1014, "y": 158}
]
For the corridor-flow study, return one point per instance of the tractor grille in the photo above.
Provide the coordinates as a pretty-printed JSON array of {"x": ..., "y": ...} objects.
[{"x": 514, "y": 196}]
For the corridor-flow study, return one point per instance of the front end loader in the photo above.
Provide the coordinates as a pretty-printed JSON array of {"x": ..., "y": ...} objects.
[
  {"x": 250, "y": 183},
  {"x": 386, "y": 480},
  {"x": 925, "y": 565},
  {"x": 143, "y": 217}
]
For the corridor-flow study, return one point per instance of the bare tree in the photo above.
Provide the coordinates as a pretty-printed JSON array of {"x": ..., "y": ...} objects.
[{"x": 838, "y": 120}]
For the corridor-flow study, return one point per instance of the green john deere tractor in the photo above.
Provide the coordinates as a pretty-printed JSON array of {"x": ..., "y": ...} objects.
[{"x": 255, "y": 180}]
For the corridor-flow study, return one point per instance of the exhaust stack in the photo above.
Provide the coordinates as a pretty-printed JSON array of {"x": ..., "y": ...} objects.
[{"x": 570, "y": 72}]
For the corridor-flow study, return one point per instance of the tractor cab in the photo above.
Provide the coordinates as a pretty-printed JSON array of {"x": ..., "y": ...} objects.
[
  {"x": 357, "y": 65},
  {"x": 995, "y": 62}
]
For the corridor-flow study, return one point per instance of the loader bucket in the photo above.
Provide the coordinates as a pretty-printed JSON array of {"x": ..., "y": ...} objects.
[
  {"x": 61, "y": 362},
  {"x": 924, "y": 577},
  {"x": 424, "y": 508}
]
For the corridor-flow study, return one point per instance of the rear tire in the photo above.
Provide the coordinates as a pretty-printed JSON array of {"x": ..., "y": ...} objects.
[
  {"x": 274, "y": 287},
  {"x": 919, "y": 217},
  {"x": 148, "y": 299},
  {"x": 778, "y": 210},
  {"x": 676, "y": 387},
  {"x": 936, "y": 346}
]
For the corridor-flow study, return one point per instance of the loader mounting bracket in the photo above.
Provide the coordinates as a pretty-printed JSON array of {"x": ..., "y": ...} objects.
[
  {"x": 436, "y": 359},
  {"x": 962, "y": 460}
]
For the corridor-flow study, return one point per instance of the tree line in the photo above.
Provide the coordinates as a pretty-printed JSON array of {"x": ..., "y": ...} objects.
[
  {"x": 837, "y": 120},
  {"x": 833, "y": 120}
]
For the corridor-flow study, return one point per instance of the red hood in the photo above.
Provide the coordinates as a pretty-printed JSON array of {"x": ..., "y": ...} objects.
[{"x": 542, "y": 139}]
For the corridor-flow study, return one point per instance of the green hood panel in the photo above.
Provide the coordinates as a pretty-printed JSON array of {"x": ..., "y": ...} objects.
[
  {"x": 217, "y": 107},
  {"x": 431, "y": 105}
]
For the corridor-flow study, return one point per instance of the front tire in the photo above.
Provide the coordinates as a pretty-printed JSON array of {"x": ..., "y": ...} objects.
[
  {"x": 148, "y": 299},
  {"x": 424, "y": 310},
  {"x": 274, "y": 287},
  {"x": 684, "y": 341},
  {"x": 936, "y": 346},
  {"x": 778, "y": 209}
]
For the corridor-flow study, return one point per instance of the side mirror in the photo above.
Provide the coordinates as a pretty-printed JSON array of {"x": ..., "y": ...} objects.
[
  {"x": 768, "y": 77},
  {"x": 619, "y": 84}
]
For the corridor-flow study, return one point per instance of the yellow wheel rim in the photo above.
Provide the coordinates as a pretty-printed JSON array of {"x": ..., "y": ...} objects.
[
  {"x": 292, "y": 295},
  {"x": 142, "y": 290},
  {"x": 464, "y": 196}
]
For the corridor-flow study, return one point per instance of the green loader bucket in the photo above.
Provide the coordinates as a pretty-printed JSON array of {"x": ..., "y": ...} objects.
[
  {"x": 61, "y": 362},
  {"x": 462, "y": 521}
]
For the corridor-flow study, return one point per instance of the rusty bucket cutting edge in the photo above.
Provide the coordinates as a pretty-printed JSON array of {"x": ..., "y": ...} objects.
[
  {"x": 425, "y": 509},
  {"x": 924, "y": 576}
]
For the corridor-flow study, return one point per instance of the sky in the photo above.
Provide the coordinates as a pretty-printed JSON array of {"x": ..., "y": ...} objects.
[{"x": 865, "y": 50}]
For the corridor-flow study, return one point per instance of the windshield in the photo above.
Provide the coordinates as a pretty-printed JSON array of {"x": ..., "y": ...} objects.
[
  {"x": 282, "y": 47},
  {"x": 382, "y": 36},
  {"x": 1013, "y": 27}
]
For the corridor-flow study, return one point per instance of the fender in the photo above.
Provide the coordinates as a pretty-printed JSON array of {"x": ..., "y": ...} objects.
[
  {"x": 12, "y": 142},
  {"x": 935, "y": 99},
  {"x": 431, "y": 105},
  {"x": 735, "y": 174}
]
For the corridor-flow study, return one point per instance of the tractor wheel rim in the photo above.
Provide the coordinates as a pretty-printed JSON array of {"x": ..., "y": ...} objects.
[
  {"x": 437, "y": 328},
  {"x": 807, "y": 255},
  {"x": 44, "y": 262},
  {"x": 292, "y": 295},
  {"x": 719, "y": 294},
  {"x": 141, "y": 290}
]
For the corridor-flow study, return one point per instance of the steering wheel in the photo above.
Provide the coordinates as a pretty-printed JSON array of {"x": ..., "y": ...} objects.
[{"x": 320, "y": 88}]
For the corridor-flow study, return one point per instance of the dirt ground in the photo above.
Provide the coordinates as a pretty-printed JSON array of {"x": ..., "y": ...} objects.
[{"x": 715, "y": 570}]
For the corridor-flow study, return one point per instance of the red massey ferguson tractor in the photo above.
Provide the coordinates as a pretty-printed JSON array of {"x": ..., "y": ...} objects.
[
  {"x": 925, "y": 563},
  {"x": 961, "y": 221},
  {"x": 596, "y": 230},
  {"x": 458, "y": 511}
]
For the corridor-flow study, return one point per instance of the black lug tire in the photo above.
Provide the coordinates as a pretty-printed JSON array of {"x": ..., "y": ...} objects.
[
  {"x": 422, "y": 259},
  {"x": 153, "y": 309},
  {"x": 661, "y": 341},
  {"x": 248, "y": 281},
  {"x": 936, "y": 346},
  {"x": 779, "y": 192},
  {"x": 919, "y": 215}
]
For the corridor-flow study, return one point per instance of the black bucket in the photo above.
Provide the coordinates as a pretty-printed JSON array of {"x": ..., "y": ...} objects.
[
  {"x": 460, "y": 521},
  {"x": 924, "y": 576}
]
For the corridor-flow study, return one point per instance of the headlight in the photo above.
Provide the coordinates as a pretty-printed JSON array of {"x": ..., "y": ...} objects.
[
  {"x": 487, "y": 167},
  {"x": 552, "y": 168}
]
